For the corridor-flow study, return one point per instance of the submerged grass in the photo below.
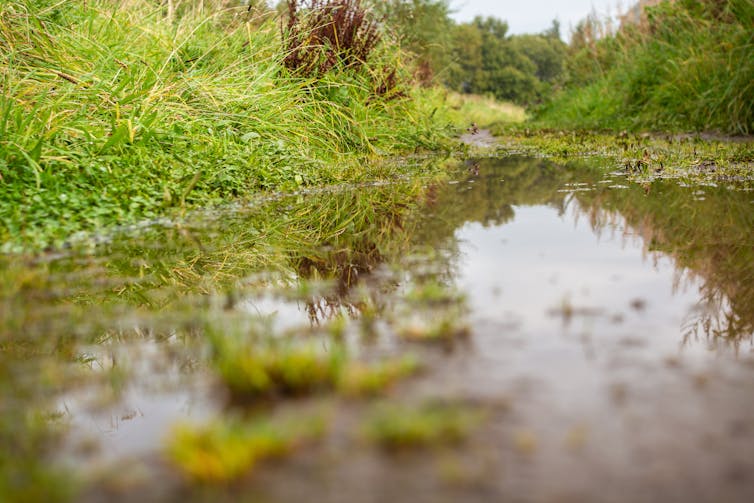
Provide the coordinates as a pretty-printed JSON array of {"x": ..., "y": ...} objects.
[{"x": 114, "y": 112}]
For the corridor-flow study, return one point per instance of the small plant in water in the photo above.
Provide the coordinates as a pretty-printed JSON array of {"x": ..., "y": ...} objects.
[
  {"x": 430, "y": 424},
  {"x": 433, "y": 312},
  {"x": 271, "y": 368},
  {"x": 277, "y": 368},
  {"x": 228, "y": 449},
  {"x": 362, "y": 379},
  {"x": 434, "y": 293}
]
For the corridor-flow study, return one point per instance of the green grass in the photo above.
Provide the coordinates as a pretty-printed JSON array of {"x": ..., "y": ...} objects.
[
  {"x": 257, "y": 364},
  {"x": 111, "y": 113},
  {"x": 484, "y": 111},
  {"x": 688, "y": 68},
  {"x": 643, "y": 157},
  {"x": 430, "y": 424},
  {"x": 229, "y": 449}
]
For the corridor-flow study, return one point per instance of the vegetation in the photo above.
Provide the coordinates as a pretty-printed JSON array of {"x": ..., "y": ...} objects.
[
  {"x": 229, "y": 449},
  {"x": 685, "y": 66},
  {"x": 518, "y": 68},
  {"x": 121, "y": 113},
  {"x": 641, "y": 156},
  {"x": 479, "y": 57},
  {"x": 255, "y": 366},
  {"x": 115, "y": 112},
  {"x": 430, "y": 424}
]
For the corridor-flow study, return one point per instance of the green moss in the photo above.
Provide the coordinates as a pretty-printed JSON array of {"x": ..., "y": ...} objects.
[
  {"x": 254, "y": 367},
  {"x": 368, "y": 380}
]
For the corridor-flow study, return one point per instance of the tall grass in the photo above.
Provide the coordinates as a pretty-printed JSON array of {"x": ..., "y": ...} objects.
[
  {"x": 111, "y": 112},
  {"x": 687, "y": 66}
]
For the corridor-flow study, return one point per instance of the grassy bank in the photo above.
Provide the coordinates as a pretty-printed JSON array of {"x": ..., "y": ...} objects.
[
  {"x": 114, "y": 112},
  {"x": 484, "y": 111},
  {"x": 686, "y": 66}
]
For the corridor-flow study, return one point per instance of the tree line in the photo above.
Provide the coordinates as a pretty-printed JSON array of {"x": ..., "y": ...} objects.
[{"x": 480, "y": 56}]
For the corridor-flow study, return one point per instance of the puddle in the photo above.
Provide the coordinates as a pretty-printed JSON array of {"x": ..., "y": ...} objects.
[{"x": 605, "y": 327}]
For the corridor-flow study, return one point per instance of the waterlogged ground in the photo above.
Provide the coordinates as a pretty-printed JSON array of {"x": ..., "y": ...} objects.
[{"x": 522, "y": 331}]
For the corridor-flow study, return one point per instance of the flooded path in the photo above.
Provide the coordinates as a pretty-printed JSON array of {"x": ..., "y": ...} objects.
[{"x": 599, "y": 335}]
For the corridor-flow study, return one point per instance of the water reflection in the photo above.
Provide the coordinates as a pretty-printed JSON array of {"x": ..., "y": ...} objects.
[
  {"x": 562, "y": 271},
  {"x": 705, "y": 245}
]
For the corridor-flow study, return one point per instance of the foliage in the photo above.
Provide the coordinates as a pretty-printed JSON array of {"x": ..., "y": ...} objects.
[
  {"x": 478, "y": 57},
  {"x": 327, "y": 33},
  {"x": 687, "y": 66},
  {"x": 516, "y": 68},
  {"x": 425, "y": 29}
]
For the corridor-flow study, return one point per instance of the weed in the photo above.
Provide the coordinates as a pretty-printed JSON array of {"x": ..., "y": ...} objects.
[
  {"x": 255, "y": 368},
  {"x": 327, "y": 33}
]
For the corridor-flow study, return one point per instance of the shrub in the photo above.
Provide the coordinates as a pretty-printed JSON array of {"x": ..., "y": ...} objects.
[{"x": 326, "y": 33}]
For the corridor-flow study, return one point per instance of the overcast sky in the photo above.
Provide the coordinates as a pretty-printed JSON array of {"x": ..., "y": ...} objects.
[{"x": 534, "y": 16}]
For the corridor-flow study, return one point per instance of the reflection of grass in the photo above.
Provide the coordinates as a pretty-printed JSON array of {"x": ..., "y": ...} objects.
[
  {"x": 26, "y": 441},
  {"x": 394, "y": 426},
  {"x": 226, "y": 450}
]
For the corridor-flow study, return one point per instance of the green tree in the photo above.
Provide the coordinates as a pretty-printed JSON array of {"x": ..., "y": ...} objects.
[{"x": 423, "y": 27}]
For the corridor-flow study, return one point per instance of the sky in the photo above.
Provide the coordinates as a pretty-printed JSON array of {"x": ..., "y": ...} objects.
[{"x": 534, "y": 16}]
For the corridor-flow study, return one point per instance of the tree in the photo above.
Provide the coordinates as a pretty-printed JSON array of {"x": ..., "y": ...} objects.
[{"x": 425, "y": 28}]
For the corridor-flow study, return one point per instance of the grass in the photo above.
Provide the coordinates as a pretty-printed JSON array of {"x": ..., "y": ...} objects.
[
  {"x": 260, "y": 366},
  {"x": 229, "y": 449},
  {"x": 430, "y": 424},
  {"x": 433, "y": 312},
  {"x": 484, "y": 111},
  {"x": 112, "y": 113},
  {"x": 687, "y": 67},
  {"x": 643, "y": 157}
]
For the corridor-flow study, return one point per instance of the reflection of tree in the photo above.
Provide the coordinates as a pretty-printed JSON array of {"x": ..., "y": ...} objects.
[
  {"x": 710, "y": 236},
  {"x": 490, "y": 188},
  {"x": 486, "y": 192},
  {"x": 343, "y": 236}
]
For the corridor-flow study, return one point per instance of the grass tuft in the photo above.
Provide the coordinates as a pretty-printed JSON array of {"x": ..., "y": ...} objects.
[{"x": 431, "y": 424}]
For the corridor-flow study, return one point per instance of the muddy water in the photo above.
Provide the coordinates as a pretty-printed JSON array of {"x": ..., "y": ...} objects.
[{"x": 609, "y": 339}]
